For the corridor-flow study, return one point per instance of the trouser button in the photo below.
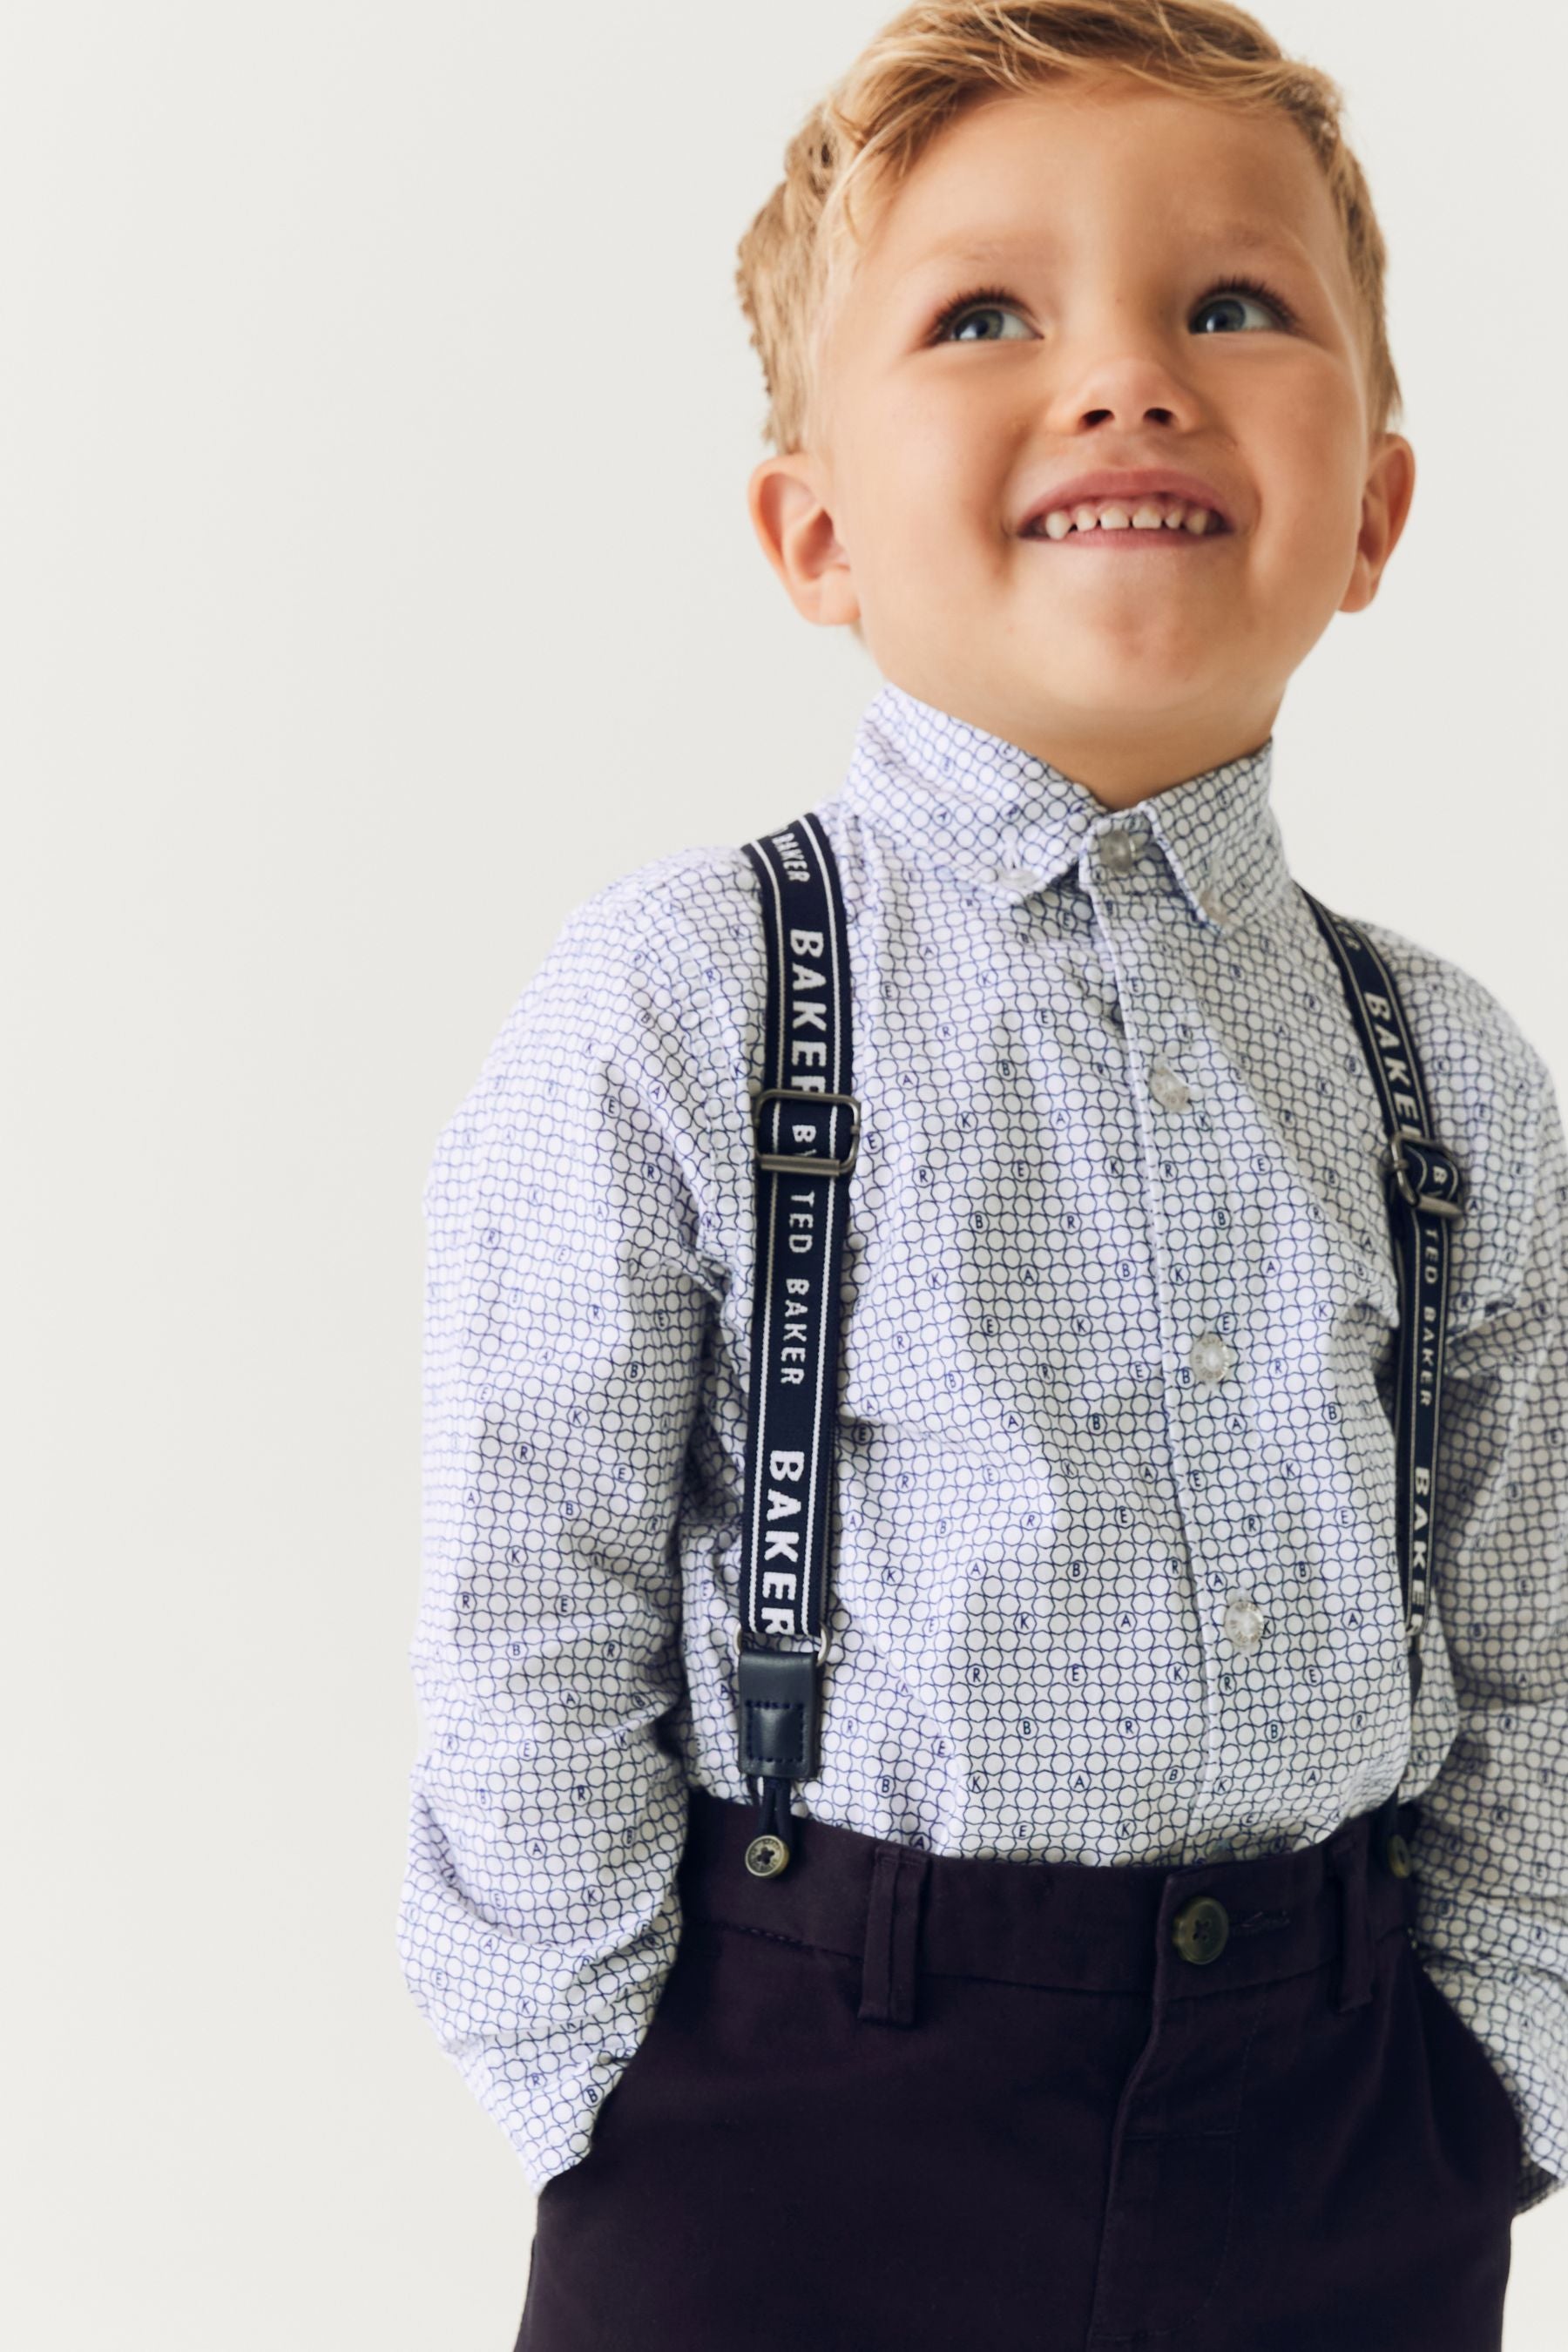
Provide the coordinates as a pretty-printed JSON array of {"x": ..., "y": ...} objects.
[
  {"x": 1200, "y": 1927},
  {"x": 1396, "y": 1853},
  {"x": 766, "y": 1856}
]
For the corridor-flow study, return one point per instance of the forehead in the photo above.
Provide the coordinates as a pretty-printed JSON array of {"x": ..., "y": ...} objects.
[{"x": 1081, "y": 168}]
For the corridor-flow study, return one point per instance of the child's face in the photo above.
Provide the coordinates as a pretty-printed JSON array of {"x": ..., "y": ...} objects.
[{"x": 1109, "y": 219}]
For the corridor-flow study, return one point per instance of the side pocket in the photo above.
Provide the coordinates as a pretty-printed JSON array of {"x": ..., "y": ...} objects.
[{"x": 1464, "y": 2035}]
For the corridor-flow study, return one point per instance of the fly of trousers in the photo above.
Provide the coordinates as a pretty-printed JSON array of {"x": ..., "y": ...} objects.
[{"x": 897, "y": 2102}]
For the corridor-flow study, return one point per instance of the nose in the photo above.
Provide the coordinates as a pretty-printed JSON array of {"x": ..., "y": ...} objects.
[{"x": 1123, "y": 378}]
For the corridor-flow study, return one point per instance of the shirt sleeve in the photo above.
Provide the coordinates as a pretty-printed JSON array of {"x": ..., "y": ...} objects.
[
  {"x": 564, "y": 1326},
  {"x": 1492, "y": 1849}
]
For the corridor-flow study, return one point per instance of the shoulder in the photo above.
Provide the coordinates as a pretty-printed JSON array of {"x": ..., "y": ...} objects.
[
  {"x": 646, "y": 993},
  {"x": 674, "y": 911},
  {"x": 705, "y": 896},
  {"x": 688, "y": 928},
  {"x": 1467, "y": 1037},
  {"x": 670, "y": 951}
]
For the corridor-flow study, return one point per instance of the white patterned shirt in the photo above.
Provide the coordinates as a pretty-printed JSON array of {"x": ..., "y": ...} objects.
[{"x": 1113, "y": 1572}]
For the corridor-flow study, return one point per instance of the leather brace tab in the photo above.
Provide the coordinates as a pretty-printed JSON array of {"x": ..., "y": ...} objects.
[{"x": 777, "y": 1714}]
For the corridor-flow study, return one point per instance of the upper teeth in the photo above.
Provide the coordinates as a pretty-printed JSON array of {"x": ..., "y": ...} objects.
[{"x": 1113, "y": 514}]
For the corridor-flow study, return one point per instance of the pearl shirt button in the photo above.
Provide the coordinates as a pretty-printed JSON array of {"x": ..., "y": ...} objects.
[
  {"x": 1210, "y": 1358},
  {"x": 1243, "y": 1622},
  {"x": 1168, "y": 1088}
]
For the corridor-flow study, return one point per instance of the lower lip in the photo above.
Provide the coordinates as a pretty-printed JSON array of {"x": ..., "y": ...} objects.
[{"x": 1145, "y": 541}]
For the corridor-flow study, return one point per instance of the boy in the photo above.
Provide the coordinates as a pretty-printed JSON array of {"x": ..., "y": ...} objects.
[{"x": 1230, "y": 1951}]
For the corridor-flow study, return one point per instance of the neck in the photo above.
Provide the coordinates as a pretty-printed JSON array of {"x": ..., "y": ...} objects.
[{"x": 1131, "y": 762}]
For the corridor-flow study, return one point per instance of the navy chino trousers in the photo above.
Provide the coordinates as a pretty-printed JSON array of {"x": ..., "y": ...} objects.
[{"x": 897, "y": 2102}]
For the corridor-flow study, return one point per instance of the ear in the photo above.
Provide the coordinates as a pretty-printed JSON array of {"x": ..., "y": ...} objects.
[
  {"x": 1384, "y": 506},
  {"x": 785, "y": 499}
]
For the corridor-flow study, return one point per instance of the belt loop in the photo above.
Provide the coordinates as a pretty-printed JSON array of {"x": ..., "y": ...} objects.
[
  {"x": 892, "y": 1934},
  {"x": 1348, "y": 1858}
]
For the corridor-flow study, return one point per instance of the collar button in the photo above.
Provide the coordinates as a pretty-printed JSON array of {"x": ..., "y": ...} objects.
[{"x": 1120, "y": 848}]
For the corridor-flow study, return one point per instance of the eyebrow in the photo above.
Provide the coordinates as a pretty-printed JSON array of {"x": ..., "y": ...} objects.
[
  {"x": 1250, "y": 236},
  {"x": 1256, "y": 236}
]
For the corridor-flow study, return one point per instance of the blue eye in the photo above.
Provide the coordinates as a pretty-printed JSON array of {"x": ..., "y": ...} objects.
[
  {"x": 984, "y": 302},
  {"x": 1252, "y": 289}
]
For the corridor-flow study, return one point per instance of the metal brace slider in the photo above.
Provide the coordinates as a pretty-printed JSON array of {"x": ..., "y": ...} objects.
[
  {"x": 1394, "y": 1160},
  {"x": 792, "y": 1162}
]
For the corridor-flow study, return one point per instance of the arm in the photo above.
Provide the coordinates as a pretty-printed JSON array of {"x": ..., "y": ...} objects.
[
  {"x": 564, "y": 1315},
  {"x": 1491, "y": 1853}
]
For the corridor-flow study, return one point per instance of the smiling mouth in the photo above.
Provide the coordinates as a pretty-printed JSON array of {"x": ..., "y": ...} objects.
[{"x": 1145, "y": 520}]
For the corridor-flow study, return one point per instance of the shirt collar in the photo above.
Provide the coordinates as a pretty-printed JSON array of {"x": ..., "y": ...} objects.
[{"x": 992, "y": 815}]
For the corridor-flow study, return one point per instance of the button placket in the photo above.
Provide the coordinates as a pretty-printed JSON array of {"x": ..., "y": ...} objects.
[
  {"x": 1232, "y": 1614},
  {"x": 1194, "y": 1192}
]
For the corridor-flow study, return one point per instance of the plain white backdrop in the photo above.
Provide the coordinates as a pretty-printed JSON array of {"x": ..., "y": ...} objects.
[{"x": 377, "y": 582}]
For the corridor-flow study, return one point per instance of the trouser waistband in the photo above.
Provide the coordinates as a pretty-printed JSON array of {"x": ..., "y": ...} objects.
[{"x": 1172, "y": 1930}]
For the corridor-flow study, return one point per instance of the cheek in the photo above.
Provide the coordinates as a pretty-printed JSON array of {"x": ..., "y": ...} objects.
[
  {"x": 930, "y": 475},
  {"x": 1311, "y": 548},
  {"x": 1311, "y": 470}
]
